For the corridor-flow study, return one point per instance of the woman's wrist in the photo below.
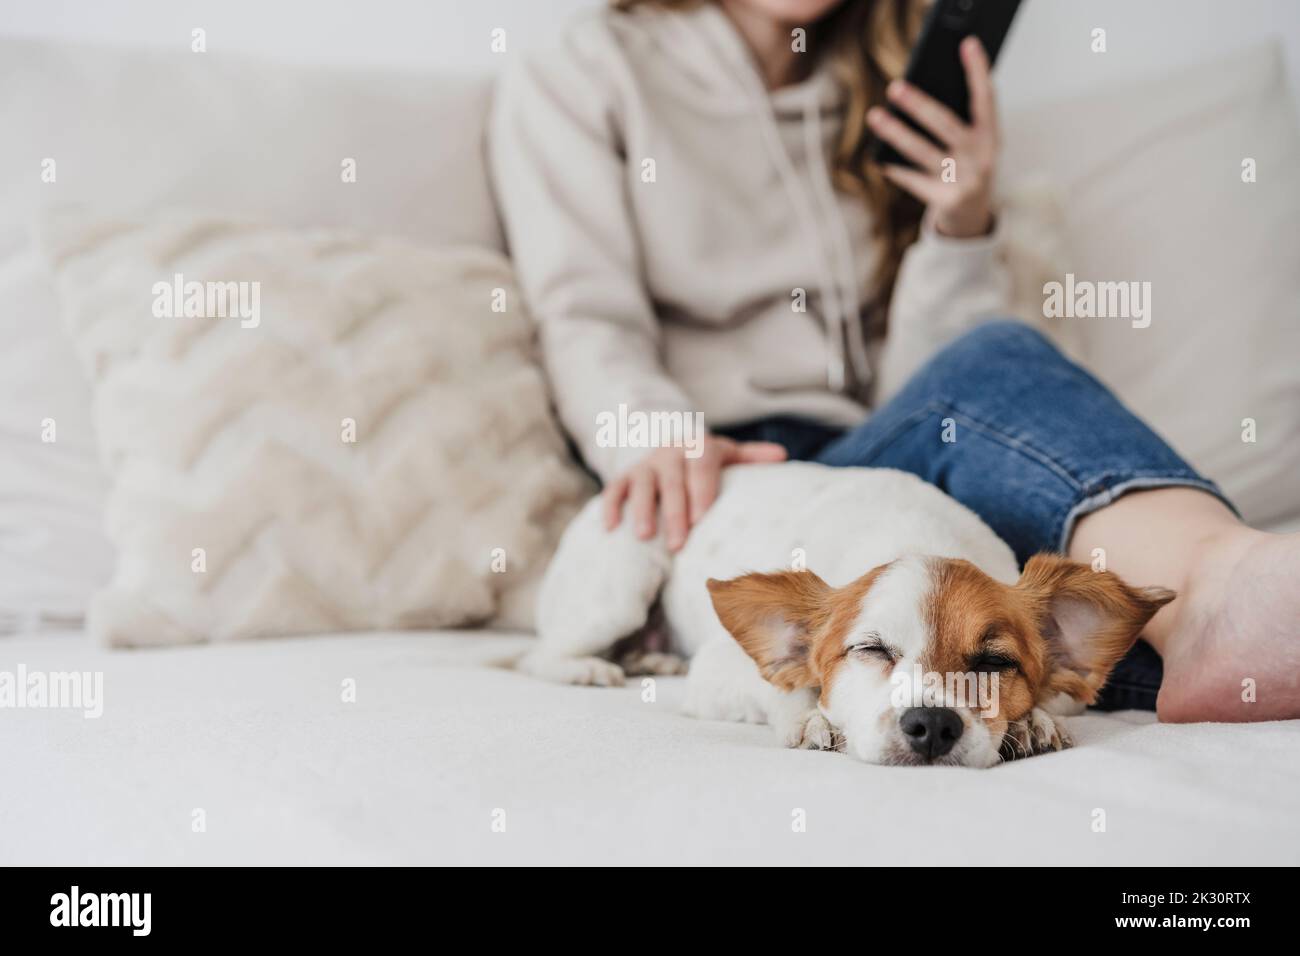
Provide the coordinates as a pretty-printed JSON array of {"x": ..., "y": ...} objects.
[{"x": 965, "y": 224}]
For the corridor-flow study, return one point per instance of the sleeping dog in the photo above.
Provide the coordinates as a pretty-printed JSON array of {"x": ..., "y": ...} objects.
[{"x": 915, "y": 602}]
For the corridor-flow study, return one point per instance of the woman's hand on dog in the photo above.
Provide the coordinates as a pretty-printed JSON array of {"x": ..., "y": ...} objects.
[
  {"x": 959, "y": 194},
  {"x": 679, "y": 488}
]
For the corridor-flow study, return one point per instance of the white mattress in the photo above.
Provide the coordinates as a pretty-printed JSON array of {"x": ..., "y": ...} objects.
[{"x": 256, "y": 735}]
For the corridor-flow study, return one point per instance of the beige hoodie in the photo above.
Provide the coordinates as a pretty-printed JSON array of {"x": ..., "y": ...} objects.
[{"x": 679, "y": 241}]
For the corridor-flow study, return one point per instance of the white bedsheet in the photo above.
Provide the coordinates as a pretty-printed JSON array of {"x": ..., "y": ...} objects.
[{"x": 256, "y": 735}]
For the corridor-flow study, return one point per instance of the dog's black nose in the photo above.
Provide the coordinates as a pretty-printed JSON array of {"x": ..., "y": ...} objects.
[{"x": 931, "y": 731}]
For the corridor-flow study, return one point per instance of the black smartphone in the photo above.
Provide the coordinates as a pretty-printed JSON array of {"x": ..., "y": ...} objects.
[{"x": 935, "y": 64}]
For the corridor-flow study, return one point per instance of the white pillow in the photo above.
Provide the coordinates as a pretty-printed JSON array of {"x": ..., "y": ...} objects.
[
  {"x": 1151, "y": 178},
  {"x": 366, "y": 443},
  {"x": 143, "y": 129}
]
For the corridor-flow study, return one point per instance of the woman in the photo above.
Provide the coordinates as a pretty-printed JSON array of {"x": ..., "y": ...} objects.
[{"x": 697, "y": 228}]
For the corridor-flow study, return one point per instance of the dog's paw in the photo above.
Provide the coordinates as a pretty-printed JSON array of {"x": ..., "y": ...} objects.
[
  {"x": 656, "y": 663},
  {"x": 584, "y": 671},
  {"x": 1039, "y": 733},
  {"x": 1049, "y": 732},
  {"x": 810, "y": 731}
]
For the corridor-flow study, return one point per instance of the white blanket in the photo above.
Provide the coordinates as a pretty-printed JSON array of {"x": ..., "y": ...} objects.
[{"x": 257, "y": 737}]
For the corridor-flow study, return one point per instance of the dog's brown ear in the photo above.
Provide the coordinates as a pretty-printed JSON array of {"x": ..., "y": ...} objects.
[
  {"x": 1089, "y": 618},
  {"x": 775, "y": 617}
]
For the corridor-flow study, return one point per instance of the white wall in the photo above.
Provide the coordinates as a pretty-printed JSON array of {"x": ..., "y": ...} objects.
[{"x": 1049, "y": 56}]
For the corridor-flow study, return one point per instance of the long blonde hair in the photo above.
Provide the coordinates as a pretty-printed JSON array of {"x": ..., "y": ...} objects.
[{"x": 866, "y": 43}]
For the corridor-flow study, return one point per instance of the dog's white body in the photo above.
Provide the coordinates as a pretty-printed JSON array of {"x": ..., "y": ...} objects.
[{"x": 600, "y": 586}]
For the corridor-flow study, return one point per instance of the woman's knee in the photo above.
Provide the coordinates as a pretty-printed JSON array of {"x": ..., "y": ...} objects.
[
  {"x": 1002, "y": 335},
  {"x": 993, "y": 344},
  {"x": 1001, "y": 350}
]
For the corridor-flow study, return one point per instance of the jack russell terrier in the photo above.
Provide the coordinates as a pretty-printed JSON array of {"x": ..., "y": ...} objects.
[{"x": 882, "y": 664}]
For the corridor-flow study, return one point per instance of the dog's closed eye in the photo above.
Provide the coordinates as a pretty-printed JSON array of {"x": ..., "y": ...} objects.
[
  {"x": 992, "y": 658},
  {"x": 873, "y": 647},
  {"x": 993, "y": 662}
]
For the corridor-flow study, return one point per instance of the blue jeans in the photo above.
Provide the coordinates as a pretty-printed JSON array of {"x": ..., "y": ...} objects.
[{"x": 1029, "y": 441}]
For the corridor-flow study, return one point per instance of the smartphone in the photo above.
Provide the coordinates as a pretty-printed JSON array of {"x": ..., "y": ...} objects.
[{"x": 935, "y": 64}]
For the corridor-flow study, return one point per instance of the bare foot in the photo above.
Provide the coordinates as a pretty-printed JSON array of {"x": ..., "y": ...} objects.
[{"x": 1234, "y": 651}]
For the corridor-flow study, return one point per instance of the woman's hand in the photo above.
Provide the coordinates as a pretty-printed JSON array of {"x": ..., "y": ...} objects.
[
  {"x": 683, "y": 488},
  {"x": 961, "y": 206}
]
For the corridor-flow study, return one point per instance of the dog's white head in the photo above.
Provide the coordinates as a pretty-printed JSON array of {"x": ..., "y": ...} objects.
[{"x": 928, "y": 660}]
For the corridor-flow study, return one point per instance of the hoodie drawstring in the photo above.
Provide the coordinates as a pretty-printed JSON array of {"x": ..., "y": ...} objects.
[{"x": 850, "y": 304}]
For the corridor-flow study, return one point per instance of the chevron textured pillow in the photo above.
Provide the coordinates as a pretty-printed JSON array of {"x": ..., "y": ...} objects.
[{"x": 309, "y": 431}]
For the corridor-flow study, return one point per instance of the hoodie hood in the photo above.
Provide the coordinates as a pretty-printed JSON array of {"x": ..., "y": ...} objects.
[{"x": 683, "y": 37}]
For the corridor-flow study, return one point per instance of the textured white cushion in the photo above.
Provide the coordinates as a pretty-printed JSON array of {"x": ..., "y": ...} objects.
[
  {"x": 143, "y": 130},
  {"x": 231, "y": 435},
  {"x": 1150, "y": 176}
]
